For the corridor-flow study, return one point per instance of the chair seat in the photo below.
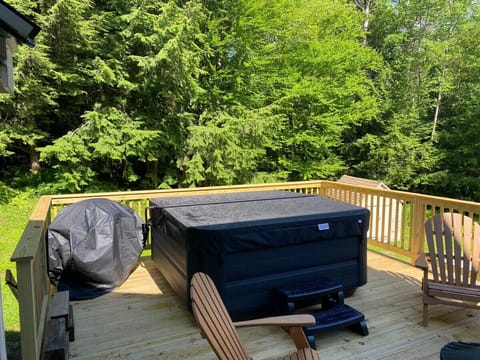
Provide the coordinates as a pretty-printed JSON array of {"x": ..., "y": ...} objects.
[
  {"x": 302, "y": 354},
  {"x": 454, "y": 291}
]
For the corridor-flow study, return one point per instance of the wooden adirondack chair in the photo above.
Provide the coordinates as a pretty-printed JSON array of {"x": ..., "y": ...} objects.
[
  {"x": 454, "y": 258},
  {"x": 217, "y": 326}
]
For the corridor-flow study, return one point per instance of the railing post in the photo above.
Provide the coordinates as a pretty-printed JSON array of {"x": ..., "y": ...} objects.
[
  {"x": 32, "y": 280},
  {"x": 417, "y": 220},
  {"x": 33, "y": 288},
  {"x": 28, "y": 316}
]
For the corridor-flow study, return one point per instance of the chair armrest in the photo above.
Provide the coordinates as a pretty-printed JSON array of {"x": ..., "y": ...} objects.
[
  {"x": 284, "y": 321},
  {"x": 421, "y": 262},
  {"x": 292, "y": 323}
]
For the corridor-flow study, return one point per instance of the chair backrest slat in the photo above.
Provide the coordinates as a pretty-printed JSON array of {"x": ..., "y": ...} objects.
[
  {"x": 431, "y": 229},
  {"x": 448, "y": 276},
  {"x": 463, "y": 231},
  {"x": 475, "y": 258},
  {"x": 214, "y": 320}
]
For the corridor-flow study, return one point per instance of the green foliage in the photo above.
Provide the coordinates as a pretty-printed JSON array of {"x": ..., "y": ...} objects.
[
  {"x": 6, "y": 193},
  {"x": 303, "y": 60},
  {"x": 107, "y": 139},
  {"x": 458, "y": 136},
  {"x": 128, "y": 69},
  {"x": 227, "y": 149},
  {"x": 4, "y": 142},
  {"x": 25, "y": 117},
  {"x": 148, "y": 93},
  {"x": 421, "y": 43},
  {"x": 395, "y": 158}
]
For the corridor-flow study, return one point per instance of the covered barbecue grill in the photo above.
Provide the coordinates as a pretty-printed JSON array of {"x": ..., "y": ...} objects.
[{"x": 93, "y": 246}]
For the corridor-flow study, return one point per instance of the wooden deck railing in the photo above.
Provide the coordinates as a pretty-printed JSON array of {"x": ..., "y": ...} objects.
[
  {"x": 32, "y": 280},
  {"x": 396, "y": 217},
  {"x": 396, "y": 229}
]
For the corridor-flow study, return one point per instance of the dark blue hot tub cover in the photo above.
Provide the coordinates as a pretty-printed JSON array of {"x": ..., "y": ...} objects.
[
  {"x": 93, "y": 246},
  {"x": 220, "y": 224}
]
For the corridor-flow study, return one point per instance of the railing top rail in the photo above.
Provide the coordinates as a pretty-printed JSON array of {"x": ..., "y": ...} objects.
[
  {"x": 427, "y": 199},
  {"x": 132, "y": 195}
]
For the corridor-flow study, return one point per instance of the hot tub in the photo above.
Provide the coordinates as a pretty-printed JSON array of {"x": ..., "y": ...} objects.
[{"x": 253, "y": 242}]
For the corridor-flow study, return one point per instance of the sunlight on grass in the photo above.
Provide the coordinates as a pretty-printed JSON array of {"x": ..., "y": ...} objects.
[
  {"x": 391, "y": 254},
  {"x": 13, "y": 219}
]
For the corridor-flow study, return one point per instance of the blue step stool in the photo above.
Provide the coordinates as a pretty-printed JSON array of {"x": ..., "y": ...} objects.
[{"x": 333, "y": 314}]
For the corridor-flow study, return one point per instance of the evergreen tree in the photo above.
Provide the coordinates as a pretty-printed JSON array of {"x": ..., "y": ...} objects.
[
  {"x": 140, "y": 89},
  {"x": 148, "y": 93}
]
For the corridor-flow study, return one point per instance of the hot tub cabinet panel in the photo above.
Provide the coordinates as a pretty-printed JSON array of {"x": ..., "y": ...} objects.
[{"x": 251, "y": 243}]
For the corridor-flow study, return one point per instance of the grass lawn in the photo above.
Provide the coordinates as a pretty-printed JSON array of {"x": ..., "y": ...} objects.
[{"x": 13, "y": 218}]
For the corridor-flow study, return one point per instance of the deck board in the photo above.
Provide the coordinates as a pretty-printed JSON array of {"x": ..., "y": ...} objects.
[{"x": 144, "y": 319}]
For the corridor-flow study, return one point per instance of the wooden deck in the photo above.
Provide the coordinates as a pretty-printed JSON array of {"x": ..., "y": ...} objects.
[{"x": 143, "y": 319}]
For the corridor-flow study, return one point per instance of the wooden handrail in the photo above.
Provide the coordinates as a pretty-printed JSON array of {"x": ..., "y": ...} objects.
[
  {"x": 396, "y": 229},
  {"x": 147, "y": 194}
]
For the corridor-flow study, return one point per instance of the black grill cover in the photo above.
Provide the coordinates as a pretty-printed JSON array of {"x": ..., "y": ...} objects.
[{"x": 93, "y": 246}]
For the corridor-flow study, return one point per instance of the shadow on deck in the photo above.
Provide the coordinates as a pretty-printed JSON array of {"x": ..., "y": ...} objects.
[{"x": 144, "y": 319}]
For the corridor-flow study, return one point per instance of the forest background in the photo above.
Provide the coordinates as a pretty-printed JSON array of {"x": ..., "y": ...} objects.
[{"x": 137, "y": 94}]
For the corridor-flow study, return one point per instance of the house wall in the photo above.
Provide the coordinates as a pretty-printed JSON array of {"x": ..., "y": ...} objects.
[{"x": 7, "y": 47}]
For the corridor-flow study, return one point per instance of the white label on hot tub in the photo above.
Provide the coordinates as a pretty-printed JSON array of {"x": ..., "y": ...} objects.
[{"x": 323, "y": 227}]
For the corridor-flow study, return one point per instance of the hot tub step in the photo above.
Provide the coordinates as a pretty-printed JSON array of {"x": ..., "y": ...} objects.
[
  {"x": 339, "y": 316},
  {"x": 319, "y": 287},
  {"x": 323, "y": 291}
]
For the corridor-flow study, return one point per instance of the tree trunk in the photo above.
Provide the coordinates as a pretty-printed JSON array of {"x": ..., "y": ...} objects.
[
  {"x": 365, "y": 7},
  {"x": 437, "y": 105},
  {"x": 155, "y": 173},
  {"x": 437, "y": 111},
  {"x": 34, "y": 160}
]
